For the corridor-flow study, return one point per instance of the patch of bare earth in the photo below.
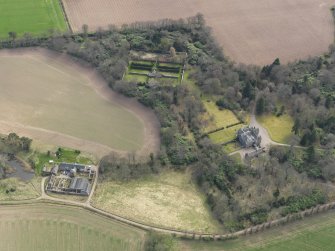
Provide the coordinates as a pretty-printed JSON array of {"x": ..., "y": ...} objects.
[
  {"x": 145, "y": 115},
  {"x": 251, "y": 32}
]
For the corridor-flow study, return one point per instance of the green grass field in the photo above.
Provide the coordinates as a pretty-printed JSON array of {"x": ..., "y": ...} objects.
[
  {"x": 315, "y": 233},
  {"x": 279, "y": 128},
  {"x": 43, "y": 227},
  {"x": 43, "y": 93},
  {"x": 221, "y": 118},
  {"x": 170, "y": 199},
  {"x": 30, "y": 16}
]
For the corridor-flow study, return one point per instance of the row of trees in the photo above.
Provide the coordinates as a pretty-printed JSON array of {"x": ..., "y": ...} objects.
[{"x": 13, "y": 144}]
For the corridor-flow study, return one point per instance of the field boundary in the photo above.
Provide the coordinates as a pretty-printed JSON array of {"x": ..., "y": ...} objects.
[
  {"x": 179, "y": 233},
  {"x": 65, "y": 16}
]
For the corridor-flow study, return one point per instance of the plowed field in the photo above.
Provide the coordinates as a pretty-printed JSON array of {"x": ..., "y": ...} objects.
[
  {"x": 250, "y": 31},
  {"x": 50, "y": 98}
]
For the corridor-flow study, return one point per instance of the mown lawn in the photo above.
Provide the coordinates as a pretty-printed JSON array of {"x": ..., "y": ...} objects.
[
  {"x": 135, "y": 78},
  {"x": 30, "y": 16},
  {"x": 232, "y": 147},
  {"x": 224, "y": 135},
  {"x": 221, "y": 117},
  {"x": 311, "y": 234},
  {"x": 279, "y": 128},
  {"x": 65, "y": 155}
]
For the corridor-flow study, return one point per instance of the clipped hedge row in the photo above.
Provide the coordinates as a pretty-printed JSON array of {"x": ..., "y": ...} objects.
[
  {"x": 169, "y": 69},
  {"x": 140, "y": 66}
]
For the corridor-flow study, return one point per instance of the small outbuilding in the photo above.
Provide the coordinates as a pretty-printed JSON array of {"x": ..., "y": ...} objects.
[{"x": 50, "y": 170}]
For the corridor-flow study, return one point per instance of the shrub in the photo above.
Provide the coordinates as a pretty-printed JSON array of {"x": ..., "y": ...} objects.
[
  {"x": 159, "y": 242},
  {"x": 295, "y": 204}
]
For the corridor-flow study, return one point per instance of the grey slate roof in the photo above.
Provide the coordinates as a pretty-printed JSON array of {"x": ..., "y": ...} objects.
[
  {"x": 69, "y": 166},
  {"x": 248, "y": 136},
  {"x": 81, "y": 184}
]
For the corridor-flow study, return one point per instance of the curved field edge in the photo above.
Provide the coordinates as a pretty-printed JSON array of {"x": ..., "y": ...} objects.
[
  {"x": 145, "y": 131},
  {"x": 312, "y": 233},
  {"x": 168, "y": 200},
  {"x": 59, "y": 227}
]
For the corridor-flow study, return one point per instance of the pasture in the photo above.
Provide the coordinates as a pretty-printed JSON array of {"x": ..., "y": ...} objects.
[
  {"x": 15, "y": 189},
  {"x": 254, "y": 32},
  {"x": 279, "y": 128},
  {"x": 311, "y": 234},
  {"x": 31, "y": 16},
  {"x": 53, "y": 227},
  {"x": 50, "y": 98},
  {"x": 170, "y": 200}
]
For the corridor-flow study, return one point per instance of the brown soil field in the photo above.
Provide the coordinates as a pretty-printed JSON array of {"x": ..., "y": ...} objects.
[
  {"x": 251, "y": 32},
  {"x": 101, "y": 120}
]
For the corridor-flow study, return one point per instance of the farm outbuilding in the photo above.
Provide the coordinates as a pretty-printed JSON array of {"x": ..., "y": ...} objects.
[
  {"x": 70, "y": 166},
  {"x": 66, "y": 185},
  {"x": 70, "y": 178},
  {"x": 80, "y": 186},
  {"x": 50, "y": 170}
]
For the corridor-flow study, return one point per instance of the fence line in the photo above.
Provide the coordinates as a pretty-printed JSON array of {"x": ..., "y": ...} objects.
[{"x": 189, "y": 234}]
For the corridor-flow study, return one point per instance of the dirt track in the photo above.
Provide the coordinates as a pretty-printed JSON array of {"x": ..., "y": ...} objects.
[
  {"x": 145, "y": 116},
  {"x": 254, "y": 32}
]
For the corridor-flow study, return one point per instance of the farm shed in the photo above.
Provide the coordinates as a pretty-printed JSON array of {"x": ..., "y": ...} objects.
[
  {"x": 49, "y": 170},
  {"x": 80, "y": 186},
  {"x": 70, "y": 166},
  {"x": 248, "y": 137}
]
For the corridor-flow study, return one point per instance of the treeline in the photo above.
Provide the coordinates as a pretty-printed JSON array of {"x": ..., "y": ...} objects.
[
  {"x": 316, "y": 163},
  {"x": 306, "y": 89},
  {"x": 127, "y": 168},
  {"x": 13, "y": 144}
]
